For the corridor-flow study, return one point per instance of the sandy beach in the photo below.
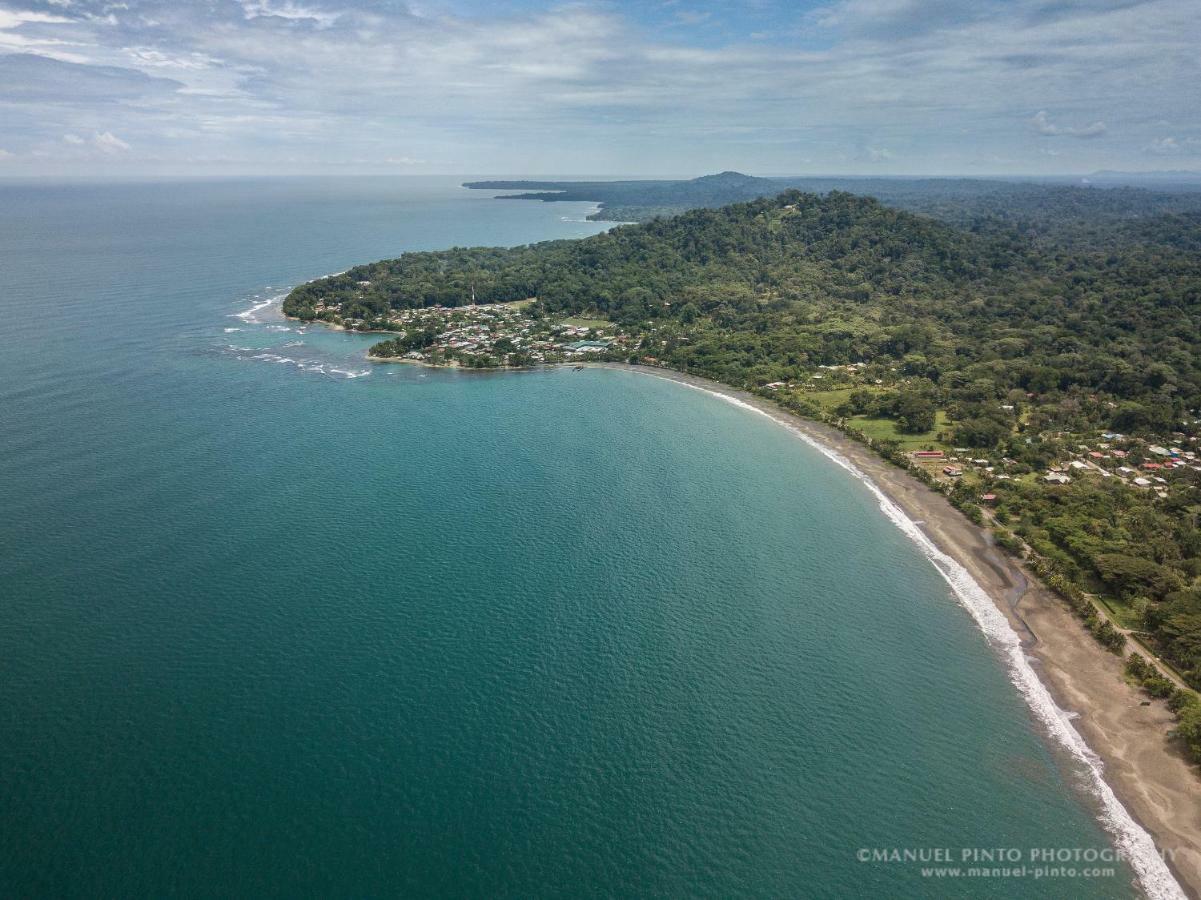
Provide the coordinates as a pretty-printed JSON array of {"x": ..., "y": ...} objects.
[{"x": 1146, "y": 769}]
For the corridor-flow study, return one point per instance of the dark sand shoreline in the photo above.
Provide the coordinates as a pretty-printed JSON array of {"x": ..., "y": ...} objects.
[{"x": 1147, "y": 770}]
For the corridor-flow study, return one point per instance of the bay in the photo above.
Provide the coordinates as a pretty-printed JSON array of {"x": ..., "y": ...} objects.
[{"x": 274, "y": 620}]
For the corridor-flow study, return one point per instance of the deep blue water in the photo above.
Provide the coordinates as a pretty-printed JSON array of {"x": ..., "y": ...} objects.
[{"x": 276, "y": 621}]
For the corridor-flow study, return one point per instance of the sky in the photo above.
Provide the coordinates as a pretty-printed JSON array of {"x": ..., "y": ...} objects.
[{"x": 660, "y": 87}]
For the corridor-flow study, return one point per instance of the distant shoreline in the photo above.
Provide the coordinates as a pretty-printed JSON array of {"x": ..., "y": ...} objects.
[{"x": 1147, "y": 770}]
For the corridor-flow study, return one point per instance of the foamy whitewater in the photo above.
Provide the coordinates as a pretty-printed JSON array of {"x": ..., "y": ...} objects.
[
  {"x": 264, "y": 318},
  {"x": 1130, "y": 838}
]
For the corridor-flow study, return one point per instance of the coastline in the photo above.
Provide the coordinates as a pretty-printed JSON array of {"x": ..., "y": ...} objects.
[
  {"x": 1147, "y": 793},
  {"x": 421, "y": 362},
  {"x": 1102, "y": 720}
]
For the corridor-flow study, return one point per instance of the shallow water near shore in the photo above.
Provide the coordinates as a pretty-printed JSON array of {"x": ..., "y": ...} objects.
[{"x": 277, "y": 620}]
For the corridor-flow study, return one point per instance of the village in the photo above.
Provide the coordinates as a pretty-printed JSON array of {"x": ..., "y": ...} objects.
[
  {"x": 502, "y": 335},
  {"x": 1156, "y": 464},
  {"x": 1141, "y": 464},
  {"x": 518, "y": 334}
]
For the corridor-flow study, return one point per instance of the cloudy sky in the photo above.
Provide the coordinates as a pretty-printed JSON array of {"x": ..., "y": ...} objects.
[{"x": 653, "y": 87}]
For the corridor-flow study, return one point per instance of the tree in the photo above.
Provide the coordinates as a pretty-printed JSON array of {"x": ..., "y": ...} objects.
[
  {"x": 915, "y": 413},
  {"x": 981, "y": 432},
  {"x": 1132, "y": 574}
]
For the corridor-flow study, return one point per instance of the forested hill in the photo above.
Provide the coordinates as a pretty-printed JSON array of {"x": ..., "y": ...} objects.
[
  {"x": 827, "y": 250},
  {"x": 770, "y": 288}
]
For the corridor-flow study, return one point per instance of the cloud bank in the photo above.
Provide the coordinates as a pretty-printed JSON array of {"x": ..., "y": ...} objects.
[{"x": 936, "y": 87}]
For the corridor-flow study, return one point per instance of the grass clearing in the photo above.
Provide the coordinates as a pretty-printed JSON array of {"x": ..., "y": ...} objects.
[
  {"x": 886, "y": 430},
  {"x": 587, "y": 323},
  {"x": 829, "y": 400},
  {"x": 1123, "y": 614}
]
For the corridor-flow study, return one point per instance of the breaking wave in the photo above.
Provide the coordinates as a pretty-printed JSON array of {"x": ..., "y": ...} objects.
[{"x": 251, "y": 316}]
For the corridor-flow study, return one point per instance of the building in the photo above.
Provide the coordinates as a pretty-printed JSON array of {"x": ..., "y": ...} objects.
[{"x": 586, "y": 346}]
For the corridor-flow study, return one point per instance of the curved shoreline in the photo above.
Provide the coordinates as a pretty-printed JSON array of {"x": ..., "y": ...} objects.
[{"x": 1148, "y": 794}]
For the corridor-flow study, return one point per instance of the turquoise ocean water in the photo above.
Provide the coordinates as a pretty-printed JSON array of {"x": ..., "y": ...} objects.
[{"x": 274, "y": 621}]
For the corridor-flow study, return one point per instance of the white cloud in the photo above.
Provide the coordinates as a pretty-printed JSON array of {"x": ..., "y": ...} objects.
[
  {"x": 108, "y": 143},
  {"x": 103, "y": 143},
  {"x": 16, "y": 37},
  {"x": 1167, "y": 146},
  {"x": 5, "y": 154},
  {"x": 156, "y": 59},
  {"x": 1042, "y": 123},
  {"x": 1171, "y": 146},
  {"x": 255, "y": 9},
  {"x": 582, "y": 86},
  {"x": 100, "y": 144},
  {"x": 13, "y": 18}
]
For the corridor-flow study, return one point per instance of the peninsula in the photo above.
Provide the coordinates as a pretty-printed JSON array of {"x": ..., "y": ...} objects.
[
  {"x": 958, "y": 201},
  {"x": 511, "y": 335}
]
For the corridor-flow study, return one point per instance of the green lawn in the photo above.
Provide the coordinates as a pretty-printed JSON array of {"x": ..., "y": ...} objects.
[
  {"x": 829, "y": 400},
  {"x": 1122, "y": 613},
  {"x": 880, "y": 429},
  {"x": 586, "y": 323},
  {"x": 886, "y": 430}
]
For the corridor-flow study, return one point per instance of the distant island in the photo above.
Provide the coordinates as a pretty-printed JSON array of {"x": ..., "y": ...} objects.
[{"x": 1033, "y": 352}]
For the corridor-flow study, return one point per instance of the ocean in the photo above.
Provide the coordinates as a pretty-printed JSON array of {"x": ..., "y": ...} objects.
[{"x": 278, "y": 621}]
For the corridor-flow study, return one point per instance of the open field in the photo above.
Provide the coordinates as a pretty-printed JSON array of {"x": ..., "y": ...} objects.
[
  {"x": 882, "y": 429},
  {"x": 886, "y": 430},
  {"x": 829, "y": 400},
  {"x": 587, "y": 323}
]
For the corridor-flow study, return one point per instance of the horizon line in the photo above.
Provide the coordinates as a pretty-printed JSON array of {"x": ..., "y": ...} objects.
[{"x": 977, "y": 176}]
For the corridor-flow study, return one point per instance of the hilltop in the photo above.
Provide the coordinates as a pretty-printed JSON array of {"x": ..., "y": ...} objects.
[{"x": 744, "y": 253}]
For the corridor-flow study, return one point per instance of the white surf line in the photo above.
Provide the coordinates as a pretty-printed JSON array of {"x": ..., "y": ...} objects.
[
  {"x": 1131, "y": 839},
  {"x": 250, "y": 316}
]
